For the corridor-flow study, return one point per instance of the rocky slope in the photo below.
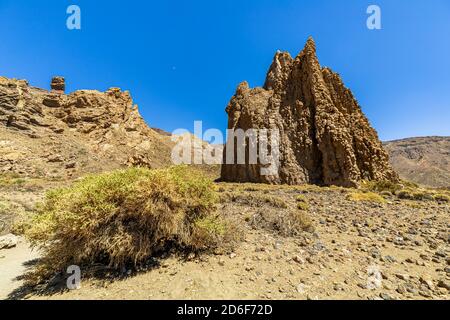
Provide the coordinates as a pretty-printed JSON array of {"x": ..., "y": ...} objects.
[
  {"x": 324, "y": 136},
  {"x": 53, "y": 134},
  {"x": 424, "y": 160}
]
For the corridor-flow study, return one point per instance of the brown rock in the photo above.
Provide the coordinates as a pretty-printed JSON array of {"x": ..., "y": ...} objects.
[
  {"x": 96, "y": 131},
  {"x": 325, "y": 137},
  {"x": 58, "y": 84}
]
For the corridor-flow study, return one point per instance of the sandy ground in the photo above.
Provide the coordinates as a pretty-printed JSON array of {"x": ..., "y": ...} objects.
[{"x": 12, "y": 265}]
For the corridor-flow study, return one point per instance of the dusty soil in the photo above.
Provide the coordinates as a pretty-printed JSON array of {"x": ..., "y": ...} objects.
[
  {"x": 13, "y": 264},
  {"x": 359, "y": 250}
]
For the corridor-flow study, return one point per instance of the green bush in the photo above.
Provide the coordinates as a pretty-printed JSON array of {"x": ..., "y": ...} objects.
[{"x": 124, "y": 217}]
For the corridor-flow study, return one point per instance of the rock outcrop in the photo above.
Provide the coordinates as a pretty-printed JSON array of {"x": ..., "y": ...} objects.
[
  {"x": 51, "y": 133},
  {"x": 58, "y": 84},
  {"x": 324, "y": 136}
]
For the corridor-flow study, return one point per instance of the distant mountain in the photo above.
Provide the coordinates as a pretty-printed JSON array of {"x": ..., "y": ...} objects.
[{"x": 424, "y": 160}]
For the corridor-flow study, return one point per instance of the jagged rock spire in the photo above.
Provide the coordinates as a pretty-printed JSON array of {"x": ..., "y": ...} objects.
[{"x": 325, "y": 137}]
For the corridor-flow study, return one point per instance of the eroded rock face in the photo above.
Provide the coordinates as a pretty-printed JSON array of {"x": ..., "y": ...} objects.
[
  {"x": 324, "y": 136},
  {"x": 56, "y": 134}
]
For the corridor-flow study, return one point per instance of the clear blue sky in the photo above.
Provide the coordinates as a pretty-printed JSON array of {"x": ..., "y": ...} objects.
[{"x": 182, "y": 60}]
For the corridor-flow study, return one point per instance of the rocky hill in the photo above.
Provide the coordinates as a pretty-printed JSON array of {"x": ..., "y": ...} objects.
[
  {"x": 425, "y": 160},
  {"x": 53, "y": 134},
  {"x": 325, "y": 137}
]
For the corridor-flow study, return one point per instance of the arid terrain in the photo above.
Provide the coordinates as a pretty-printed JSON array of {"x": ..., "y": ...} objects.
[
  {"x": 425, "y": 160},
  {"x": 379, "y": 240},
  {"x": 406, "y": 241}
]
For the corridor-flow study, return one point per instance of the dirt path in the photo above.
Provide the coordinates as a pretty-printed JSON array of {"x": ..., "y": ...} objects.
[{"x": 12, "y": 265}]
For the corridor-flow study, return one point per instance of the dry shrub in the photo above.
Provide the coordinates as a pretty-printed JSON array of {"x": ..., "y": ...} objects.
[
  {"x": 382, "y": 186},
  {"x": 302, "y": 203},
  {"x": 287, "y": 223},
  {"x": 124, "y": 217},
  {"x": 441, "y": 197},
  {"x": 253, "y": 199}
]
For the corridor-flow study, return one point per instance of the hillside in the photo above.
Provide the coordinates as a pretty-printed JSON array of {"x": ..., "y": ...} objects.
[
  {"x": 56, "y": 135},
  {"x": 424, "y": 160}
]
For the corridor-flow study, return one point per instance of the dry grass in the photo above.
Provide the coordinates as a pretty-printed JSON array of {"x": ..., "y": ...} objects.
[
  {"x": 288, "y": 223},
  {"x": 302, "y": 203},
  {"x": 122, "y": 218},
  {"x": 11, "y": 180},
  {"x": 442, "y": 197},
  {"x": 405, "y": 190},
  {"x": 253, "y": 199},
  {"x": 365, "y": 197}
]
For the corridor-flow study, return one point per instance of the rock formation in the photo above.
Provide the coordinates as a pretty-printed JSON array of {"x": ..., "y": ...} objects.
[
  {"x": 56, "y": 134},
  {"x": 325, "y": 138},
  {"x": 58, "y": 84}
]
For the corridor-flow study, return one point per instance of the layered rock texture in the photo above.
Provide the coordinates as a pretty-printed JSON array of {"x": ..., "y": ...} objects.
[
  {"x": 53, "y": 134},
  {"x": 325, "y": 137}
]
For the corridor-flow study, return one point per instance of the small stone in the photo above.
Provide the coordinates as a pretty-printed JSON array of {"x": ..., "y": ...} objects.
[
  {"x": 444, "y": 284},
  {"x": 385, "y": 296},
  {"x": 425, "y": 293},
  {"x": 399, "y": 241},
  {"x": 441, "y": 254},
  {"x": 427, "y": 282},
  {"x": 298, "y": 259},
  {"x": 71, "y": 165},
  {"x": 9, "y": 241},
  {"x": 401, "y": 289},
  {"x": 389, "y": 259},
  {"x": 338, "y": 287},
  {"x": 402, "y": 276},
  {"x": 375, "y": 253},
  {"x": 301, "y": 288}
]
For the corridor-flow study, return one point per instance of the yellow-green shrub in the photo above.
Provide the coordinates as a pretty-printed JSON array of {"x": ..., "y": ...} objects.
[
  {"x": 124, "y": 217},
  {"x": 442, "y": 198}
]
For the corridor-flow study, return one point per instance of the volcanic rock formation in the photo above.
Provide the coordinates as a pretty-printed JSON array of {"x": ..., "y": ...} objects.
[
  {"x": 50, "y": 133},
  {"x": 325, "y": 137}
]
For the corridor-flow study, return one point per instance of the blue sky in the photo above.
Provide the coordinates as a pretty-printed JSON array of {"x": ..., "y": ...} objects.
[{"x": 182, "y": 60}]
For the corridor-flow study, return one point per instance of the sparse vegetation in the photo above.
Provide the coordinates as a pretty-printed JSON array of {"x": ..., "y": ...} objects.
[
  {"x": 441, "y": 197},
  {"x": 365, "y": 196},
  {"x": 253, "y": 199},
  {"x": 10, "y": 180},
  {"x": 124, "y": 217},
  {"x": 302, "y": 203},
  {"x": 405, "y": 190},
  {"x": 382, "y": 186},
  {"x": 289, "y": 223}
]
